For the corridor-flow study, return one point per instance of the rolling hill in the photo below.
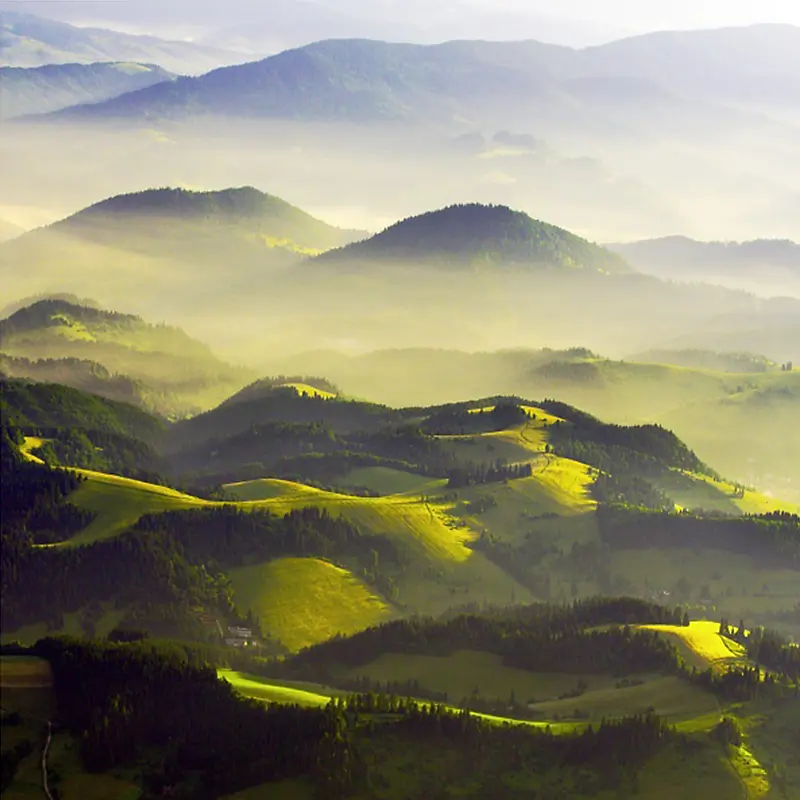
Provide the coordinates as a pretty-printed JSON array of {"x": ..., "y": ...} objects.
[
  {"x": 177, "y": 238},
  {"x": 38, "y": 90},
  {"x": 116, "y": 355},
  {"x": 35, "y": 41},
  {"x": 480, "y": 235},
  {"x": 472, "y": 503}
]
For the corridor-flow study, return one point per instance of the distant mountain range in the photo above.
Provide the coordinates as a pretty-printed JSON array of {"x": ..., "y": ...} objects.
[
  {"x": 38, "y": 90},
  {"x": 679, "y": 256},
  {"x": 291, "y": 23},
  {"x": 32, "y": 41},
  {"x": 479, "y": 235},
  {"x": 633, "y": 82}
]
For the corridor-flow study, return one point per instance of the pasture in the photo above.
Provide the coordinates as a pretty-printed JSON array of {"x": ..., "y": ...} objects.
[
  {"x": 303, "y": 601},
  {"x": 387, "y": 481},
  {"x": 701, "y": 644},
  {"x": 271, "y": 690},
  {"x": 673, "y": 698},
  {"x": 461, "y": 673},
  {"x": 119, "y": 502}
]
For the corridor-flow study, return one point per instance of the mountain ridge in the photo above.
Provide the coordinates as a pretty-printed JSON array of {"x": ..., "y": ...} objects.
[{"x": 39, "y": 90}]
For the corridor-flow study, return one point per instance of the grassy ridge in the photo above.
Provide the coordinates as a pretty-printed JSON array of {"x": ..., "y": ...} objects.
[{"x": 120, "y": 502}]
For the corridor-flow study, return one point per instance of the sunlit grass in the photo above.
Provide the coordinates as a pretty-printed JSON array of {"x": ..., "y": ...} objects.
[
  {"x": 303, "y": 601},
  {"x": 701, "y": 644}
]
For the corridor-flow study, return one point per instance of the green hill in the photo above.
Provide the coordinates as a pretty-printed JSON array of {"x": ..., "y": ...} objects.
[
  {"x": 244, "y": 212},
  {"x": 34, "y": 405},
  {"x": 119, "y": 356},
  {"x": 479, "y": 234}
]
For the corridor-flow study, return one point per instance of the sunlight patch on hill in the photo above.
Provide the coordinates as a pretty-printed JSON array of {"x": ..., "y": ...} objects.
[{"x": 701, "y": 644}]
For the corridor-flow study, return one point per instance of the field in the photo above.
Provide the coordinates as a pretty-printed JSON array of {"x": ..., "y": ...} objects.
[
  {"x": 302, "y": 601},
  {"x": 120, "y": 502},
  {"x": 701, "y": 644},
  {"x": 689, "y": 490},
  {"x": 444, "y": 571},
  {"x": 460, "y": 673},
  {"x": 309, "y": 391},
  {"x": 307, "y": 695},
  {"x": 674, "y": 699},
  {"x": 386, "y": 481}
]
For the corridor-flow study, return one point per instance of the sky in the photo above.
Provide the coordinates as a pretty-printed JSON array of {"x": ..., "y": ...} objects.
[
  {"x": 569, "y": 22},
  {"x": 660, "y": 14}
]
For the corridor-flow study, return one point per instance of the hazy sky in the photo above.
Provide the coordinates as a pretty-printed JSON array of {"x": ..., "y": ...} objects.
[{"x": 657, "y": 14}]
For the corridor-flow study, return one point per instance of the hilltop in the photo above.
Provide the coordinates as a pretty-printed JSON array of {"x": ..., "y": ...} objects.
[
  {"x": 39, "y": 90},
  {"x": 479, "y": 234},
  {"x": 177, "y": 238},
  {"x": 243, "y": 210},
  {"x": 120, "y": 356}
]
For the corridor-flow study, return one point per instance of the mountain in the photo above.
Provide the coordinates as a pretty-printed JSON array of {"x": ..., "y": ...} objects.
[
  {"x": 479, "y": 234},
  {"x": 177, "y": 238},
  {"x": 244, "y": 212},
  {"x": 367, "y": 80},
  {"x": 684, "y": 258},
  {"x": 41, "y": 89},
  {"x": 756, "y": 66},
  {"x": 32, "y": 41},
  {"x": 116, "y": 355}
]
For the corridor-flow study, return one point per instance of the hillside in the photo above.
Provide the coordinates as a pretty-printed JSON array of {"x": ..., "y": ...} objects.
[
  {"x": 41, "y": 89},
  {"x": 489, "y": 501},
  {"x": 116, "y": 355},
  {"x": 34, "y": 405},
  {"x": 403, "y": 745},
  {"x": 243, "y": 210},
  {"x": 479, "y": 234},
  {"x": 31, "y": 41},
  {"x": 699, "y": 394},
  {"x": 178, "y": 239}
]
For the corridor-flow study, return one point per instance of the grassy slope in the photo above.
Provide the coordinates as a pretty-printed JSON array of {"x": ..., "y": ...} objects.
[
  {"x": 120, "y": 502},
  {"x": 701, "y": 644},
  {"x": 445, "y": 571},
  {"x": 385, "y": 481},
  {"x": 303, "y": 601},
  {"x": 461, "y": 672}
]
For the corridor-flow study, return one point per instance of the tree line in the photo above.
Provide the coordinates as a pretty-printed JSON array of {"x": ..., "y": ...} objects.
[{"x": 772, "y": 538}]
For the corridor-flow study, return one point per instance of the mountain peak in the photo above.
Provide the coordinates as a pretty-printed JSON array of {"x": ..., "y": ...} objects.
[{"x": 481, "y": 234}]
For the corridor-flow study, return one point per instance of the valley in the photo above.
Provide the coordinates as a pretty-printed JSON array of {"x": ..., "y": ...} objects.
[{"x": 395, "y": 409}]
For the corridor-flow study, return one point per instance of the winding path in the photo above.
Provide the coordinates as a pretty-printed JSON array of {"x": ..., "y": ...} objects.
[{"x": 44, "y": 760}]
